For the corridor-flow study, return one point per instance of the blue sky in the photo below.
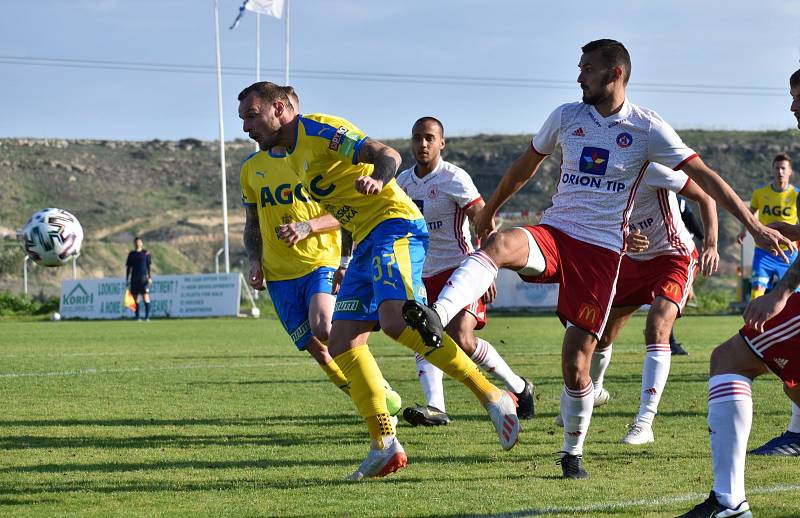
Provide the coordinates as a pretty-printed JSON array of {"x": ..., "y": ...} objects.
[{"x": 384, "y": 64}]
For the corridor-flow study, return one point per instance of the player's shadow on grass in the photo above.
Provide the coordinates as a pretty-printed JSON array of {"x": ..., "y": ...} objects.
[{"x": 300, "y": 420}]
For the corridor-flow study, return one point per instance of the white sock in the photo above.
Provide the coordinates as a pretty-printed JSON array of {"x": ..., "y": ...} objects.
[
  {"x": 486, "y": 356},
  {"x": 600, "y": 360},
  {"x": 654, "y": 377},
  {"x": 467, "y": 283},
  {"x": 794, "y": 423},
  {"x": 430, "y": 379},
  {"x": 730, "y": 415},
  {"x": 576, "y": 411}
]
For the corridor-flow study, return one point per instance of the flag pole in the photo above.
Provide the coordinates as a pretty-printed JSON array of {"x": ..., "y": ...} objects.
[
  {"x": 286, "y": 46},
  {"x": 221, "y": 141}
]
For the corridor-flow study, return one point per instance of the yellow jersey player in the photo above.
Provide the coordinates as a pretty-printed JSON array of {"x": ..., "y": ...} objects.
[
  {"x": 293, "y": 245},
  {"x": 352, "y": 177},
  {"x": 772, "y": 203}
]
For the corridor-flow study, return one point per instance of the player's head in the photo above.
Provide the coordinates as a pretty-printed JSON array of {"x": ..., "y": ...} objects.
[
  {"x": 605, "y": 67},
  {"x": 794, "y": 90},
  {"x": 293, "y": 98},
  {"x": 265, "y": 108},
  {"x": 137, "y": 243},
  {"x": 781, "y": 170},
  {"x": 427, "y": 140}
]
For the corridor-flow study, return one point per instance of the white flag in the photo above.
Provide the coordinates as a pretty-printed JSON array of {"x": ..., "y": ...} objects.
[{"x": 269, "y": 7}]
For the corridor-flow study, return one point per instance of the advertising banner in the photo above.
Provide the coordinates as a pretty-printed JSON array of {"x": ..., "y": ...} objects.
[
  {"x": 171, "y": 296},
  {"x": 514, "y": 293}
]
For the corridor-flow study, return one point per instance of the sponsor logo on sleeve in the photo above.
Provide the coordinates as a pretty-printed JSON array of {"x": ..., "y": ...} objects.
[
  {"x": 336, "y": 140},
  {"x": 594, "y": 160}
]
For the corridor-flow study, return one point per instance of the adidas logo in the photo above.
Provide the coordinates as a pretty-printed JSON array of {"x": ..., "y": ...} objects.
[
  {"x": 781, "y": 362},
  {"x": 652, "y": 391},
  {"x": 578, "y": 132}
]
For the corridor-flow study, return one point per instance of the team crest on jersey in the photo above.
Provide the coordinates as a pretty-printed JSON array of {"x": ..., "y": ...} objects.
[
  {"x": 624, "y": 140},
  {"x": 594, "y": 160}
]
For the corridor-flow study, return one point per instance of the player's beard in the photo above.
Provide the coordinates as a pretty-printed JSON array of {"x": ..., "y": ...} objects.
[{"x": 599, "y": 97}]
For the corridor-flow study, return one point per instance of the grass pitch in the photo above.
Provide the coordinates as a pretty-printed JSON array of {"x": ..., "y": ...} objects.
[{"x": 224, "y": 418}]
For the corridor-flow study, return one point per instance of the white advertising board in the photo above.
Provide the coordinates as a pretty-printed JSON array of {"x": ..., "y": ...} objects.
[
  {"x": 171, "y": 296},
  {"x": 513, "y": 292}
]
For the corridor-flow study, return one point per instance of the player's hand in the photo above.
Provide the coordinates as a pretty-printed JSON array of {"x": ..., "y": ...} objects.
[
  {"x": 637, "y": 242},
  {"x": 293, "y": 233},
  {"x": 368, "y": 185},
  {"x": 490, "y": 295},
  {"x": 760, "y": 310},
  {"x": 484, "y": 224},
  {"x": 256, "y": 276},
  {"x": 338, "y": 277},
  {"x": 770, "y": 239},
  {"x": 787, "y": 229},
  {"x": 709, "y": 260}
]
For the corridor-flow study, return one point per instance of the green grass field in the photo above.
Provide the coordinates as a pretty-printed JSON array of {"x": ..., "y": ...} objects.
[{"x": 224, "y": 418}]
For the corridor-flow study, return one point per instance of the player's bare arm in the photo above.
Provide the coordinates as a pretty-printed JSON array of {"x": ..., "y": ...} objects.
[
  {"x": 513, "y": 180},
  {"x": 347, "y": 252},
  {"x": 709, "y": 259},
  {"x": 760, "y": 310},
  {"x": 294, "y": 232},
  {"x": 715, "y": 186},
  {"x": 743, "y": 232},
  {"x": 386, "y": 161},
  {"x": 254, "y": 247}
]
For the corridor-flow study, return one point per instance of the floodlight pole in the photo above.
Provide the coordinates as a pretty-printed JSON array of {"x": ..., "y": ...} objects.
[
  {"x": 286, "y": 45},
  {"x": 221, "y": 141},
  {"x": 216, "y": 259}
]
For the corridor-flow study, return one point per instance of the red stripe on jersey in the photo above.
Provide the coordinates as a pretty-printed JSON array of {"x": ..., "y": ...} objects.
[
  {"x": 673, "y": 237},
  {"x": 629, "y": 207},
  {"x": 683, "y": 163},
  {"x": 458, "y": 230},
  {"x": 537, "y": 151},
  {"x": 473, "y": 202}
]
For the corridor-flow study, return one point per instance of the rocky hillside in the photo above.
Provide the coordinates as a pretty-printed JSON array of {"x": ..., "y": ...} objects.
[{"x": 169, "y": 192}]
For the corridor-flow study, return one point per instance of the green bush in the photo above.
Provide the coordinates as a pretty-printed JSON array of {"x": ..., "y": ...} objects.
[{"x": 12, "y": 304}]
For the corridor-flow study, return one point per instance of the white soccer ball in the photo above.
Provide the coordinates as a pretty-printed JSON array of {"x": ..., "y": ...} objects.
[
  {"x": 55, "y": 317},
  {"x": 255, "y": 312},
  {"x": 52, "y": 237}
]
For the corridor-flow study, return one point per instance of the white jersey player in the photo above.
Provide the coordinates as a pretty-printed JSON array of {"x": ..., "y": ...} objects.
[
  {"x": 660, "y": 275},
  {"x": 606, "y": 143},
  {"x": 448, "y": 199}
]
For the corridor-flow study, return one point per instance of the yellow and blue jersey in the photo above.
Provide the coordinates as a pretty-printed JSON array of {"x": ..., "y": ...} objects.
[
  {"x": 325, "y": 158},
  {"x": 270, "y": 184},
  {"x": 773, "y": 206}
]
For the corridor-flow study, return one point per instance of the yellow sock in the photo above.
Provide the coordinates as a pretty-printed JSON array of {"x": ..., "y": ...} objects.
[
  {"x": 336, "y": 376},
  {"x": 452, "y": 361},
  {"x": 367, "y": 390}
]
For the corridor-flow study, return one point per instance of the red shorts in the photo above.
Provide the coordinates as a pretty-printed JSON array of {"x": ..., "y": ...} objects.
[
  {"x": 668, "y": 276},
  {"x": 779, "y": 345},
  {"x": 586, "y": 275},
  {"x": 434, "y": 285}
]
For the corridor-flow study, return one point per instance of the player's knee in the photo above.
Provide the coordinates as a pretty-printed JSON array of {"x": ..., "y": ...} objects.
[
  {"x": 393, "y": 328},
  {"x": 321, "y": 330},
  {"x": 504, "y": 248}
]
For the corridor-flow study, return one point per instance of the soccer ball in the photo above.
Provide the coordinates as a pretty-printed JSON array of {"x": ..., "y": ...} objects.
[{"x": 52, "y": 237}]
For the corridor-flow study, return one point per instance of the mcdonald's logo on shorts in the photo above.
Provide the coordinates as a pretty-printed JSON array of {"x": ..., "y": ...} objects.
[
  {"x": 588, "y": 315},
  {"x": 672, "y": 289}
]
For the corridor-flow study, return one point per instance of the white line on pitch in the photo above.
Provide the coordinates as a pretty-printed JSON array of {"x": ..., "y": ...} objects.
[{"x": 624, "y": 504}]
